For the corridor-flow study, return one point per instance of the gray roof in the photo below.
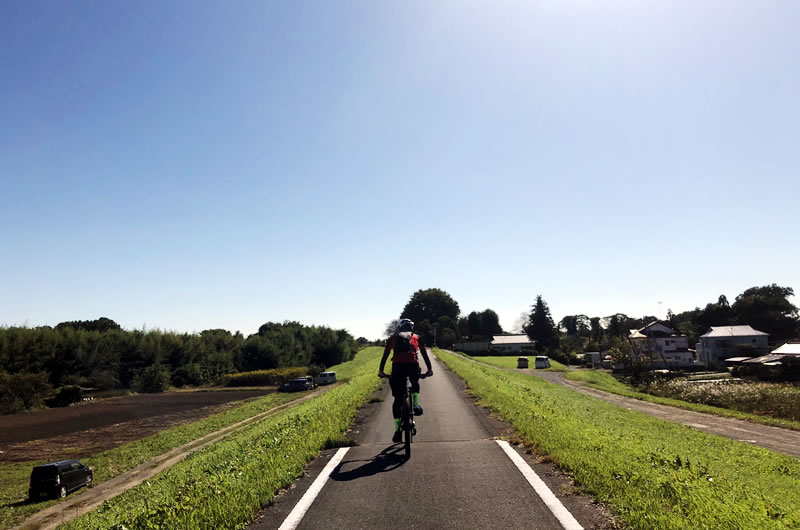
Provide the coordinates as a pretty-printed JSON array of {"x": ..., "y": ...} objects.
[
  {"x": 650, "y": 331},
  {"x": 790, "y": 348},
  {"x": 764, "y": 359},
  {"x": 511, "y": 339},
  {"x": 731, "y": 331}
]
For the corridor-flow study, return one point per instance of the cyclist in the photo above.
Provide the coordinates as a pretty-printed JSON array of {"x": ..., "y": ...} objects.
[{"x": 406, "y": 345}]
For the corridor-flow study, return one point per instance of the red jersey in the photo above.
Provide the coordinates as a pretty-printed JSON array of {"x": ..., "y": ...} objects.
[{"x": 405, "y": 351}]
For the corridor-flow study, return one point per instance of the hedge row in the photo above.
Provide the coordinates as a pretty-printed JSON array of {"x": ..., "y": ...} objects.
[{"x": 275, "y": 376}]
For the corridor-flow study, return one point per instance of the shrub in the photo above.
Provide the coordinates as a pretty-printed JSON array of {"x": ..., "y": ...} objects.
[
  {"x": 766, "y": 399},
  {"x": 275, "y": 376},
  {"x": 790, "y": 365},
  {"x": 22, "y": 391},
  {"x": 66, "y": 395},
  {"x": 154, "y": 378},
  {"x": 190, "y": 374}
]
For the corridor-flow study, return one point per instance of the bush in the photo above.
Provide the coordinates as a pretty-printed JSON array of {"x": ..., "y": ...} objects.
[
  {"x": 190, "y": 374},
  {"x": 65, "y": 396},
  {"x": 765, "y": 399},
  {"x": 275, "y": 376},
  {"x": 22, "y": 391},
  {"x": 154, "y": 378},
  {"x": 790, "y": 365}
]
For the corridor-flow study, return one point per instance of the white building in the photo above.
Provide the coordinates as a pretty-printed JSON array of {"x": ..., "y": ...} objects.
[
  {"x": 790, "y": 348},
  {"x": 658, "y": 345},
  {"x": 511, "y": 343},
  {"x": 720, "y": 342}
]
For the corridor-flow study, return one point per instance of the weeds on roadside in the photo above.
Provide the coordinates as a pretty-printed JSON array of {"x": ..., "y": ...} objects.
[{"x": 767, "y": 399}]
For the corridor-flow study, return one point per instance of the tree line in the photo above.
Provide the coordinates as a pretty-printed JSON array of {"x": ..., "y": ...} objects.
[
  {"x": 100, "y": 354},
  {"x": 437, "y": 316}
]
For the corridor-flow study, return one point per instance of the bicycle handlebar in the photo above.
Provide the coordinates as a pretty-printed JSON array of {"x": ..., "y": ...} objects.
[{"x": 421, "y": 376}]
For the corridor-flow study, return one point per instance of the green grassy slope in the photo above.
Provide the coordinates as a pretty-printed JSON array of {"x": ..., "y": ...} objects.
[{"x": 654, "y": 474}]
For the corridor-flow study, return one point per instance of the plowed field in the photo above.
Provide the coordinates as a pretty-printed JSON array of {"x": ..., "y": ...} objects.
[{"x": 89, "y": 428}]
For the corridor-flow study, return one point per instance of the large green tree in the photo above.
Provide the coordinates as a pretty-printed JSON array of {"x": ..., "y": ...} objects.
[
  {"x": 541, "y": 327},
  {"x": 768, "y": 309},
  {"x": 481, "y": 325},
  {"x": 490, "y": 323},
  {"x": 430, "y": 305}
]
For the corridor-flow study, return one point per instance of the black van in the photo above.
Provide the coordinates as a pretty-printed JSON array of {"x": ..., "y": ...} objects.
[{"x": 56, "y": 479}]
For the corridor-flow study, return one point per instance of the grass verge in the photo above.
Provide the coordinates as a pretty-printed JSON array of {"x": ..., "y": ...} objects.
[
  {"x": 224, "y": 485},
  {"x": 511, "y": 362},
  {"x": 654, "y": 474},
  {"x": 607, "y": 382},
  {"x": 108, "y": 464}
]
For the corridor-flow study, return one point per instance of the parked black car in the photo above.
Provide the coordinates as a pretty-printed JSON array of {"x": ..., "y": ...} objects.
[
  {"x": 297, "y": 385},
  {"x": 57, "y": 479}
]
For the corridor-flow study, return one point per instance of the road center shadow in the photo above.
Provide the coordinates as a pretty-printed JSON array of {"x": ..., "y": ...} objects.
[{"x": 390, "y": 458}]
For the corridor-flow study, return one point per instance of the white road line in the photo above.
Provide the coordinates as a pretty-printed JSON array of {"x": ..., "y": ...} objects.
[
  {"x": 562, "y": 514},
  {"x": 300, "y": 509}
]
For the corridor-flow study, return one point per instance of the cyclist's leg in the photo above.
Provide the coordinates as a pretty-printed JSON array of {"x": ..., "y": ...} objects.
[
  {"x": 414, "y": 378},
  {"x": 397, "y": 382}
]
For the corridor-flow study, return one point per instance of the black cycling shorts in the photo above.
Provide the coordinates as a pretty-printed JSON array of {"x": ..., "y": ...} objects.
[{"x": 401, "y": 371}]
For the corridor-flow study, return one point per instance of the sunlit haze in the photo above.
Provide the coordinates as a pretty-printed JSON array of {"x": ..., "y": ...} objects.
[{"x": 191, "y": 165}]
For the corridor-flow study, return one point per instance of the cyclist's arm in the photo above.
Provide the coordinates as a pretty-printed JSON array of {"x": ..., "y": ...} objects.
[
  {"x": 386, "y": 351},
  {"x": 424, "y": 353}
]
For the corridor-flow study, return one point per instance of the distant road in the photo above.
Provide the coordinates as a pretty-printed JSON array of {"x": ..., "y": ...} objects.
[{"x": 458, "y": 475}]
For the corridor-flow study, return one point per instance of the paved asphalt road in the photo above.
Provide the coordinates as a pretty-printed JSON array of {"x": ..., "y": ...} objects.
[{"x": 457, "y": 477}]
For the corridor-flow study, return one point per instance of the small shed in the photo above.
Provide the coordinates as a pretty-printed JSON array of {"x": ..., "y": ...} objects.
[{"x": 522, "y": 362}]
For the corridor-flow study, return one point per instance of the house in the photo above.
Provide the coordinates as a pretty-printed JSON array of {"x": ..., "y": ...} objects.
[
  {"x": 720, "y": 342},
  {"x": 511, "y": 343},
  {"x": 659, "y": 346}
]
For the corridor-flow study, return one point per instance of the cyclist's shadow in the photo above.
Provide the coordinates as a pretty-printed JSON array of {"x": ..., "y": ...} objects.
[{"x": 390, "y": 458}]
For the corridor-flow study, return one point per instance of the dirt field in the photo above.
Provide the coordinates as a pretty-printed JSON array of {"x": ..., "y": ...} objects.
[{"x": 88, "y": 428}]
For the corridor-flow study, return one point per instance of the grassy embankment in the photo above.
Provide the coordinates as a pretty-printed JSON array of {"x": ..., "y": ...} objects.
[
  {"x": 654, "y": 474},
  {"x": 511, "y": 362},
  {"x": 108, "y": 464},
  {"x": 607, "y": 382},
  {"x": 224, "y": 485}
]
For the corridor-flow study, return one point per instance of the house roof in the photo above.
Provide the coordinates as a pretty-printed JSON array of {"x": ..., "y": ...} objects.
[
  {"x": 790, "y": 348},
  {"x": 731, "y": 331},
  {"x": 655, "y": 330},
  {"x": 763, "y": 359},
  {"x": 736, "y": 359},
  {"x": 511, "y": 339}
]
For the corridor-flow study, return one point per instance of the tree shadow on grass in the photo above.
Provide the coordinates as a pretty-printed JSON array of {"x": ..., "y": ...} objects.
[{"x": 389, "y": 459}]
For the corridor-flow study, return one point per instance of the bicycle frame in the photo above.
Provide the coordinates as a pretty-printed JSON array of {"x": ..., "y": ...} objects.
[{"x": 407, "y": 423}]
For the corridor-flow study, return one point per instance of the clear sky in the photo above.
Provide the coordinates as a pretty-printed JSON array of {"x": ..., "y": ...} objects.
[{"x": 187, "y": 165}]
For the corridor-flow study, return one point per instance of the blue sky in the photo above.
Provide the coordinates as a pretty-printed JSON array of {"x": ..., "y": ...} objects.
[{"x": 192, "y": 165}]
